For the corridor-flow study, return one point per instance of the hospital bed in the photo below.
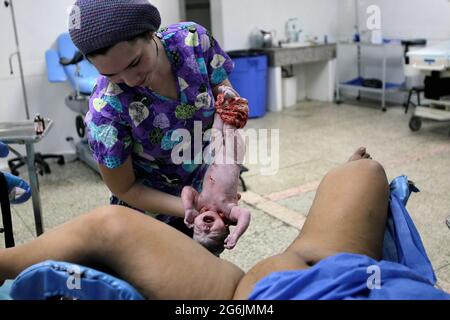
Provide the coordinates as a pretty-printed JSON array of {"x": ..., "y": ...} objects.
[
  {"x": 52, "y": 279},
  {"x": 68, "y": 281},
  {"x": 82, "y": 77},
  {"x": 434, "y": 62}
]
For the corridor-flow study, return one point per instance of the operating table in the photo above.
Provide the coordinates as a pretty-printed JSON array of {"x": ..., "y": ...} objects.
[{"x": 82, "y": 76}]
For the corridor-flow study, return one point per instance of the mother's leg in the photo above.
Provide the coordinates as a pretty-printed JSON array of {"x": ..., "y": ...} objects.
[
  {"x": 348, "y": 215},
  {"x": 156, "y": 259}
]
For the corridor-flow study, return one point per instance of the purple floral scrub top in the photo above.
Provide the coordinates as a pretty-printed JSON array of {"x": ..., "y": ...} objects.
[{"x": 124, "y": 121}]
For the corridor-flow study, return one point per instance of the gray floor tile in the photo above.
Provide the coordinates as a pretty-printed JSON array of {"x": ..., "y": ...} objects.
[{"x": 314, "y": 137}]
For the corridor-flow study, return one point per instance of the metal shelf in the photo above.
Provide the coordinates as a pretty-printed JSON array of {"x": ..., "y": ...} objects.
[
  {"x": 368, "y": 44},
  {"x": 432, "y": 113},
  {"x": 356, "y": 83}
]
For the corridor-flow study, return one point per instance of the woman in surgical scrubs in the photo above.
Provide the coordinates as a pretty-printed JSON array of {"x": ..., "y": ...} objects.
[{"x": 153, "y": 81}]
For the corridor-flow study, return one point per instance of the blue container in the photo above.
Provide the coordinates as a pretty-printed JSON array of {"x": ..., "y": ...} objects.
[{"x": 249, "y": 78}]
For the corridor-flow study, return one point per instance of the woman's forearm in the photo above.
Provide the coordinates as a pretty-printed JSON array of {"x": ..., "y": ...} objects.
[
  {"x": 230, "y": 136},
  {"x": 152, "y": 200}
]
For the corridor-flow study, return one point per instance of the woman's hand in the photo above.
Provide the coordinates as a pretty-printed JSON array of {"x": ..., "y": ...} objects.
[{"x": 228, "y": 92}]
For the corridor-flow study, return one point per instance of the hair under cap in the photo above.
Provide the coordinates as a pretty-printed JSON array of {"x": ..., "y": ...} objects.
[{"x": 98, "y": 24}]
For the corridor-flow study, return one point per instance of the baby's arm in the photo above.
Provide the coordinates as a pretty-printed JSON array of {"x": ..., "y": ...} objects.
[
  {"x": 242, "y": 216},
  {"x": 189, "y": 198}
]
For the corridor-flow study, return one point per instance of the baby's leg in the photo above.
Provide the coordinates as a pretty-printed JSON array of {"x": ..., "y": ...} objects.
[
  {"x": 242, "y": 216},
  {"x": 189, "y": 197}
]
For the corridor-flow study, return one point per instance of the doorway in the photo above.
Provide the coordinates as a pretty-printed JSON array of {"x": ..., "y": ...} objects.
[{"x": 198, "y": 11}]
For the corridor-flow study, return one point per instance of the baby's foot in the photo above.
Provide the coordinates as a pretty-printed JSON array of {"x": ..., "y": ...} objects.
[
  {"x": 360, "y": 154},
  {"x": 230, "y": 242}
]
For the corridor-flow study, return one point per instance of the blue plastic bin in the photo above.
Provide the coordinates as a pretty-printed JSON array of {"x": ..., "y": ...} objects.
[{"x": 249, "y": 78}]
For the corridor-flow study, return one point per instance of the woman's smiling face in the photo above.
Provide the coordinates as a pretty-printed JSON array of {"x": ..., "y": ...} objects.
[{"x": 130, "y": 62}]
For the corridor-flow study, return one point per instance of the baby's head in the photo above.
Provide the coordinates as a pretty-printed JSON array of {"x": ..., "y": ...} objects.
[{"x": 211, "y": 231}]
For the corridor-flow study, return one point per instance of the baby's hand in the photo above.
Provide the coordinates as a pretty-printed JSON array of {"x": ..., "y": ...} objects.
[
  {"x": 189, "y": 197},
  {"x": 189, "y": 217}
]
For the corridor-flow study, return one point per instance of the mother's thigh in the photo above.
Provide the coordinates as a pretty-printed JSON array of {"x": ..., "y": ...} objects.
[
  {"x": 348, "y": 214},
  {"x": 161, "y": 262}
]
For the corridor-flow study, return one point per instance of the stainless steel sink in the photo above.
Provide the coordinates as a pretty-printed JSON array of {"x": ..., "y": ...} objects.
[{"x": 295, "y": 45}]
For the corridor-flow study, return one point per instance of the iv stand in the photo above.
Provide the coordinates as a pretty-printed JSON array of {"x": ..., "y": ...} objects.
[
  {"x": 30, "y": 158},
  {"x": 9, "y": 3},
  {"x": 358, "y": 48}
]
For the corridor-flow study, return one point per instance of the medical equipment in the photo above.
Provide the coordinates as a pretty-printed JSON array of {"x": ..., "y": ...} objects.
[
  {"x": 4, "y": 151},
  {"x": 40, "y": 159},
  {"x": 8, "y": 184},
  {"x": 413, "y": 76},
  {"x": 23, "y": 132},
  {"x": 434, "y": 62},
  {"x": 358, "y": 82},
  {"x": 10, "y": 4},
  {"x": 63, "y": 65},
  {"x": 6, "y": 212}
]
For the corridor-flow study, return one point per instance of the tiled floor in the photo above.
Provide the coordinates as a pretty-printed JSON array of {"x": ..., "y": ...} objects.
[{"x": 314, "y": 137}]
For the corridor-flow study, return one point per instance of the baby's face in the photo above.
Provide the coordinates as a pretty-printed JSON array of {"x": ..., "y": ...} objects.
[{"x": 209, "y": 222}]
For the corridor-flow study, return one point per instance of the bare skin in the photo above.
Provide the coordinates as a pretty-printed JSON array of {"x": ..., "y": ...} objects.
[
  {"x": 220, "y": 186},
  {"x": 348, "y": 215},
  {"x": 220, "y": 183}
]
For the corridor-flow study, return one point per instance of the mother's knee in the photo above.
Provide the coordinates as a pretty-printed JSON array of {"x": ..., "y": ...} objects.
[
  {"x": 374, "y": 172},
  {"x": 366, "y": 169},
  {"x": 109, "y": 222},
  {"x": 371, "y": 167}
]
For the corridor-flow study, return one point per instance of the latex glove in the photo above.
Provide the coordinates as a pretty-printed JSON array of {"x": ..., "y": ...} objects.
[
  {"x": 228, "y": 92},
  {"x": 4, "y": 151},
  {"x": 18, "y": 188}
]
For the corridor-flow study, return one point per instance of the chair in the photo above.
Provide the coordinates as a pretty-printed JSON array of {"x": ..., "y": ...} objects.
[
  {"x": 9, "y": 183},
  {"x": 40, "y": 160},
  {"x": 7, "y": 228},
  {"x": 67, "y": 64}
]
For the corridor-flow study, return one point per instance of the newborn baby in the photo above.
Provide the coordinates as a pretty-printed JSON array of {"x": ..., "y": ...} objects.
[
  {"x": 218, "y": 200},
  {"x": 211, "y": 224}
]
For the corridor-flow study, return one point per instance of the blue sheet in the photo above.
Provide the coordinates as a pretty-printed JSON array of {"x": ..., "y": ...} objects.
[
  {"x": 405, "y": 272},
  {"x": 4, "y": 151},
  {"x": 5, "y": 290},
  {"x": 62, "y": 279}
]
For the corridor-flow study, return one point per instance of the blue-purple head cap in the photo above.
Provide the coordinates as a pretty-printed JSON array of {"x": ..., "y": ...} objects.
[{"x": 99, "y": 24}]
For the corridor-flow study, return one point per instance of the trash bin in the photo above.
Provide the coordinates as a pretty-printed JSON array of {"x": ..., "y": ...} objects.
[
  {"x": 289, "y": 91},
  {"x": 249, "y": 78}
]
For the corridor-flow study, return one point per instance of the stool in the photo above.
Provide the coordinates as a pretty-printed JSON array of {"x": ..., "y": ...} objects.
[{"x": 40, "y": 161}]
